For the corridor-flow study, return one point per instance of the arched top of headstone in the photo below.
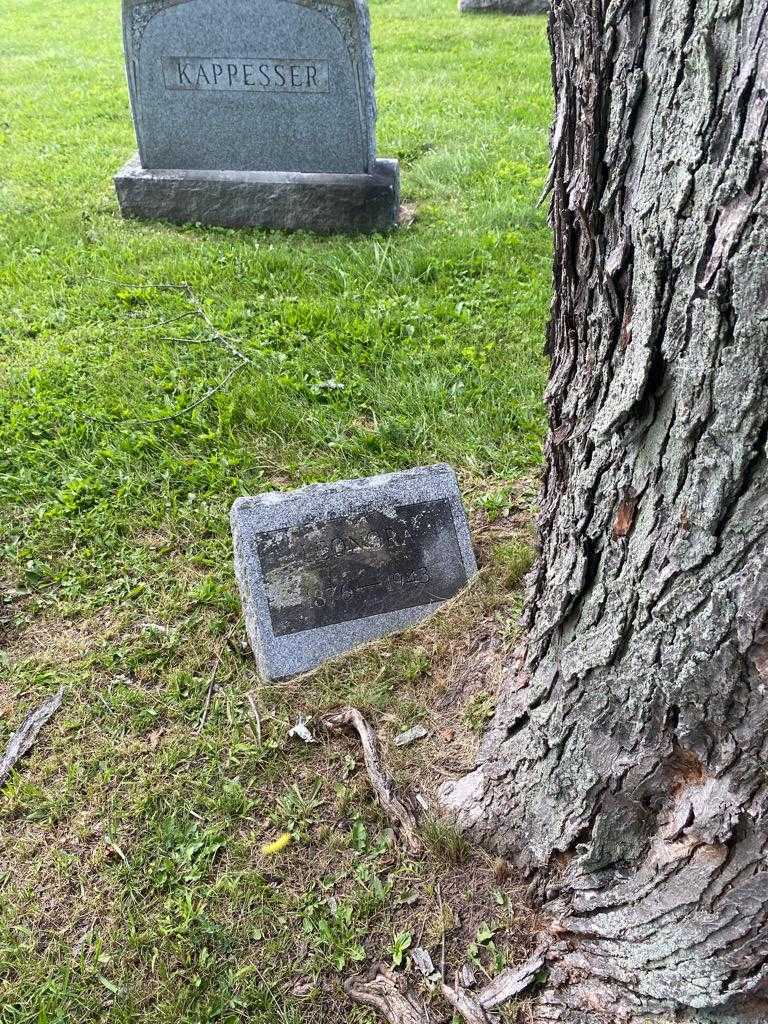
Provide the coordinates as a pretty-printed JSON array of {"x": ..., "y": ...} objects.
[{"x": 252, "y": 85}]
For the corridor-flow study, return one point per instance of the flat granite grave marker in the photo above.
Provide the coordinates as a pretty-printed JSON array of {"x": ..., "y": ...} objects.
[
  {"x": 327, "y": 568},
  {"x": 255, "y": 113}
]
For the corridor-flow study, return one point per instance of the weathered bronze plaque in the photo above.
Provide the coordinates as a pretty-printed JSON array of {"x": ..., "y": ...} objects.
[{"x": 360, "y": 565}]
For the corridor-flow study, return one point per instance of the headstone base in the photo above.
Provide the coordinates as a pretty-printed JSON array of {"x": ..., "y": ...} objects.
[
  {"x": 322, "y": 203},
  {"x": 503, "y": 6}
]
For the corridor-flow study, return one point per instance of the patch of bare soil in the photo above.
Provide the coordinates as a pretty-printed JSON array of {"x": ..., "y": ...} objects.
[
  {"x": 59, "y": 889},
  {"x": 57, "y": 641}
]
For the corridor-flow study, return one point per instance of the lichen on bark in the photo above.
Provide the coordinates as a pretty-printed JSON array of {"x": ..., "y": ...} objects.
[{"x": 626, "y": 765}]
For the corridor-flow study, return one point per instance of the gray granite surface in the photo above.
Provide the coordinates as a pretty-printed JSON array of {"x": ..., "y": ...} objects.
[
  {"x": 251, "y": 85},
  {"x": 322, "y": 203},
  {"x": 504, "y": 6},
  {"x": 327, "y": 568}
]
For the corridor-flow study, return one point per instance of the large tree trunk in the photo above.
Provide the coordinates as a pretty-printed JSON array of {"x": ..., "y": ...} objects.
[{"x": 627, "y": 762}]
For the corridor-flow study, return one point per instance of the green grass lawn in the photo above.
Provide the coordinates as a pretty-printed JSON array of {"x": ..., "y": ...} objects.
[{"x": 133, "y": 885}]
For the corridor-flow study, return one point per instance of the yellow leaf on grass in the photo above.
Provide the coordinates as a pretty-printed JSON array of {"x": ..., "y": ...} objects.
[{"x": 270, "y": 849}]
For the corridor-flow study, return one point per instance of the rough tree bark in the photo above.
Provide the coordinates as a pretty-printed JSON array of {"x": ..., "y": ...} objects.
[{"x": 627, "y": 762}]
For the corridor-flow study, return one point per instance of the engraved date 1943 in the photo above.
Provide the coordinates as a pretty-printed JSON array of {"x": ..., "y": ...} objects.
[{"x": 348, "y": 589}]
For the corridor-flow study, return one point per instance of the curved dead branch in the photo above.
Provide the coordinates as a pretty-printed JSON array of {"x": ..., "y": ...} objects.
[{"x": 21, "y": 741}]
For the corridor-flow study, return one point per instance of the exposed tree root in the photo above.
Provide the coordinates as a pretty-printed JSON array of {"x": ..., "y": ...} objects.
[
  {"x": 387, "y": 994},
  {"x": 383, "y": 990},
  {"x": 401, "y": 812},
  {"x": 464, "y": 1004},
  {"x": 512, "y": 982},
  {"x": 391, "y": 997}
]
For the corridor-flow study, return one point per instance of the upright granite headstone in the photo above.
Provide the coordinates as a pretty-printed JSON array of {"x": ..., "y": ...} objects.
[
  {"x": 503, "y": 6},
  {"x": 327, "y": 568},
  {"x": 255, "y": 113}
]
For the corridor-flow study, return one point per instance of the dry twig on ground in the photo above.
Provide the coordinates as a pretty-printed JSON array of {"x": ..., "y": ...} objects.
[
  {"x": 400, "y": 811},
  {"x": 215, "y": 336},
  {"x": 21, "y": 740}
]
